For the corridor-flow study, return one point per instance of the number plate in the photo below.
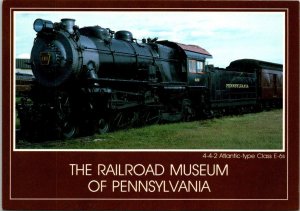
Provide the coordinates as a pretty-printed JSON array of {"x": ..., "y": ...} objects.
[{"x": 45, "y": 58}]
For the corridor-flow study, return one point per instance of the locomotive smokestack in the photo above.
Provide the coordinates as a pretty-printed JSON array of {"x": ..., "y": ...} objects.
[{"x": 68, "y": 24}]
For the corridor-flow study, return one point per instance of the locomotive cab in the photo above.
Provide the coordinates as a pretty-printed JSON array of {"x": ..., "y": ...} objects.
[
  {"x": 192, "y": 59},
  {"x": 196, "y": 74}
]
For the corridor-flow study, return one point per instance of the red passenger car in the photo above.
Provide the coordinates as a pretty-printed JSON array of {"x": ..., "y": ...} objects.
[{"x": 269, "y": 79}]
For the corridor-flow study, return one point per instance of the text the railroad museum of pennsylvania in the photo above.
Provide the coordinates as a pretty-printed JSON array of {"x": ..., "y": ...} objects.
[{"x": 149, "y": 178}]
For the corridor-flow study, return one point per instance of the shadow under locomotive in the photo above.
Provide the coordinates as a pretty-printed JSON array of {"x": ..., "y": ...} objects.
[{"x": 92, "y": 79}]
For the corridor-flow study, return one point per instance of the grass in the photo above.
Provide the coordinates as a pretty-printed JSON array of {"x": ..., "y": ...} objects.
[
  {"x": 18, "y": 100},
  {"x": 250, "y": 131}
]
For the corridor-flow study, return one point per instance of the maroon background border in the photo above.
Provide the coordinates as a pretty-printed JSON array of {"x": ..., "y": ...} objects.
[{"x": 32, "y": 170}]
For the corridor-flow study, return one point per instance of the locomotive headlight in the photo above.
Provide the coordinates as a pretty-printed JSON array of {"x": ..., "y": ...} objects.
[{"x": 42, "y": 25}]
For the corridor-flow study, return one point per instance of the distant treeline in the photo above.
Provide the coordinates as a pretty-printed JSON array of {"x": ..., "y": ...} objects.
[{"x": 23, "y": 64}]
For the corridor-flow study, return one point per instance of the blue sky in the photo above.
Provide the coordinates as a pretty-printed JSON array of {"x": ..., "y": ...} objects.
[{"x": 226, "y": 35}]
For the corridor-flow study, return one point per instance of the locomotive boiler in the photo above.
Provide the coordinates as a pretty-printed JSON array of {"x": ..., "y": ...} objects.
[
  {"x": 93, "y": 79},
  {"x": 62, "y": 52}
]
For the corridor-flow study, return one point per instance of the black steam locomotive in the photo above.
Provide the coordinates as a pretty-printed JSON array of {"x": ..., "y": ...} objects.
[{"x": 93, "y": 79}]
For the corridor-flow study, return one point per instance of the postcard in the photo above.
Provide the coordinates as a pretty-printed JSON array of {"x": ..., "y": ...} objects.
[{"x": 150, "y": 105}]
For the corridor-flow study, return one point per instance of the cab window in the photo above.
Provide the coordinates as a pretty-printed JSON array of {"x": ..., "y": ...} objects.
[{"x": 195, "y": 66}]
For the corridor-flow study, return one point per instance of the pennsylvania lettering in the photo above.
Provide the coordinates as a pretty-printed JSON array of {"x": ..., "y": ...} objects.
[{"x": 160, "y": 186}]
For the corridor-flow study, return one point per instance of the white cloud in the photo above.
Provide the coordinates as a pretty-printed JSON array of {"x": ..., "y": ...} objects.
[{"x": 23, "y": 56}]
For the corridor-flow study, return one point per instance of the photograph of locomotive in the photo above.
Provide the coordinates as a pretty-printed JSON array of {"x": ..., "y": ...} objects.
[{"x": 94, "y": 80}]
